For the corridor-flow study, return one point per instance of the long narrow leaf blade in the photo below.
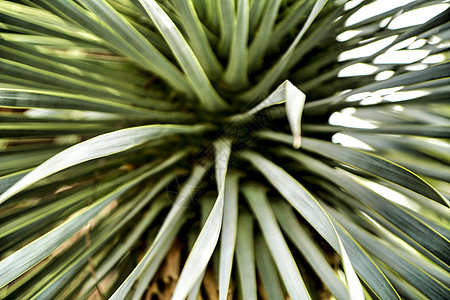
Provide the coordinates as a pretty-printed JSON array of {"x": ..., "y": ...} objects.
[
  {"x": 229, "y": 232},
  {"x": 314, "y": 213},
  {"x": 166, "y": 234},
  {"x": 236, "y": 75},
  {"x": 267, "y": 271},
  {"x": 185, "y": 56},
  {"x": 256, "y": 197},
  {"x": 410, "y": 272},
  {"x": 123, "y": 37},
  {"x": 206, "y": 242},
  {"x": 309, "y": 249},
  {"x": 398, "y": 220},
  {"x": 366, "y": 161},
  {"x": 99, "y": 146},
  {"x": 198, "y": 40},
  {"x": 245, "y": 257},
  {"x": 20, "y": 261},
  {"x": 226, "y": 21},
  {"x": 271, "y": 76}
]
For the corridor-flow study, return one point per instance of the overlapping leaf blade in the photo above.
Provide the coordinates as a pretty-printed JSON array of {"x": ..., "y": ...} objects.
[
  {"x": 245, "y": 257},
  {"x": 72, "y": 70},
  {"x": 209, "y": 236},
  {"x": 166, "y": 234},
  {"x": 255, "y": 195},
  {"x": 367, "y": 162},
  {"x": 309, "y": 249},
  {"x": 31, "y": 254},
  {"x": 398, "y": 220},
  {"x": 228, "y": 234},
  {"x": 183, "y": 53},
  {"x": 100, "y": 146},
  {"x": 312, "y": 211}
]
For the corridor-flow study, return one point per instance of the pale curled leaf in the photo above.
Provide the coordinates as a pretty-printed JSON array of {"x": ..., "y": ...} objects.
[{"x": 294, "y": 100}]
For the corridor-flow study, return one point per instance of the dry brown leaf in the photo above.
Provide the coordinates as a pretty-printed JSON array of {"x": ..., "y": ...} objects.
[
  {"x": 210, "y": 286},
  {"x": 171, "y": 268},
  {"x": 152, "y": 290},
  {"x": 262, "y": 291},
  {"x": 103, "y": 285},
  {"x": 163, "y": 285},
  {"x": 231, "y": 290}
]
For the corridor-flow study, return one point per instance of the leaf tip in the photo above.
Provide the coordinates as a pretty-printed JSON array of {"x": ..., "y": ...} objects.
[{"x": 297, "y": 141}]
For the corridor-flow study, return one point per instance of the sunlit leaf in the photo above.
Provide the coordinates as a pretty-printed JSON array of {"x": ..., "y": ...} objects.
[
  {"x": 284, "y": 261},
  {"x": 209, "y": 236},
  {"x": 100, "y": 146}
]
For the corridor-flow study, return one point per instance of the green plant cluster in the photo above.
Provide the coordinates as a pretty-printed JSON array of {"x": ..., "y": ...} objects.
[{"x": 189, "y": 149}]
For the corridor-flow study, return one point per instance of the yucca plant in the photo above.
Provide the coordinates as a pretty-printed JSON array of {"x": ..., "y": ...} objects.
[{"x": 153, "y": 149}]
